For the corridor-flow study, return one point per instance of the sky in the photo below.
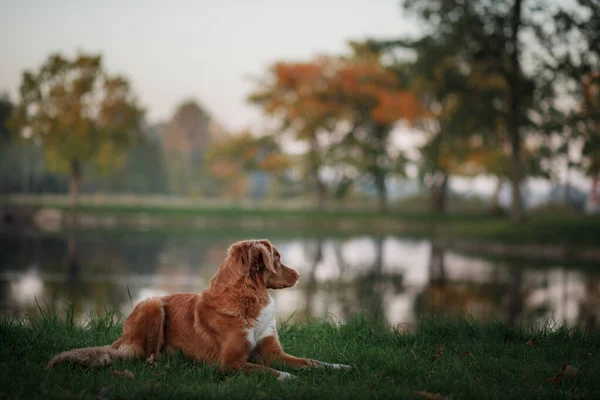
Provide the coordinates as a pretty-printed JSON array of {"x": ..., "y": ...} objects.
[{"x": 204, "y": 49}]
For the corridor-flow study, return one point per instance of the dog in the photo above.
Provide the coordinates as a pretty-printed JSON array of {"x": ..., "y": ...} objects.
[{"x": 228, "y": 324}]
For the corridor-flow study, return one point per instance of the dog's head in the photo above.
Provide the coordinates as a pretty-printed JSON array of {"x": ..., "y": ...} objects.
[{"x": 258, "y": 260}]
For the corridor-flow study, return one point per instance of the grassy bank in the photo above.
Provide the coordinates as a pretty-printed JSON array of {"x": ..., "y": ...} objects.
[
  {"x": 556, "y": 235},
  {"x": 458, "y": 359}
]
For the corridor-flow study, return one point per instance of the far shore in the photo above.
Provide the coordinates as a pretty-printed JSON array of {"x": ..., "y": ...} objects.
[{"x": 545, "y": 236}]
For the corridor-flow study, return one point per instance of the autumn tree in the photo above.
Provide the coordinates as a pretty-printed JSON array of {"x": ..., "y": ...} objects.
[
  {"x": 79, "y": 113},
  {"x": 292, "y": 94},
  {"x": 233, "y": 157},
  {"x": 343, "y": 109},
  {"x": 370, "y": 100}
]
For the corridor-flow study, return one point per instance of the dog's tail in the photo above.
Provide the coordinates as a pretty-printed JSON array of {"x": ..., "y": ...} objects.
[
  {"x": 143, "y": 336},
  {"x": 89, "y": 356}
]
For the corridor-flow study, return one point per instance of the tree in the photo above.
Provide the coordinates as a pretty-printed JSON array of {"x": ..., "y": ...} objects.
[
  {"x": 6, "y": 110},
  {"x": 233, "y": 157},
  {"x": 343, "y": 109},
  {"x": 79, "y": 114},
  {"x": 572, "y": 47},
  {"x": 370, "y": 99},
  {"x": 186, "y": 137},
  {"x": 457, "y": 102},
  {"x": 144, "y": 170},
  {"x": 485, "y": 43},
  {"x": 292, "y": 93}
]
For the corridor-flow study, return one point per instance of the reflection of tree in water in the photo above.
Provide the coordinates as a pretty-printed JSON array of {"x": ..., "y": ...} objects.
[
  {"x": 70, "y": 264},
  {"x": 362, "y": 294},
  {"x": 190, "y": 256},
  {"x": 515, "y": 295},
  {"x": 315, "y": 255},
  {"x": 437, "y": 270},
  {"x": 73, "y": 263},
  {"x": 589, "y": 308},
  {"x": 442, "y": 296},
  {"x": 370, "y": 288}
]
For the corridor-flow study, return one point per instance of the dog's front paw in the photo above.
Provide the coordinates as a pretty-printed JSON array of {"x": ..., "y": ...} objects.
[
  {"x": 339, "y": 366},
  {"x": 284, "y": 376}
]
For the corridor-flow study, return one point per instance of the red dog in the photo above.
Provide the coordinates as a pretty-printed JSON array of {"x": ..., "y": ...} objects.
[{"x": 230, "y": 322}]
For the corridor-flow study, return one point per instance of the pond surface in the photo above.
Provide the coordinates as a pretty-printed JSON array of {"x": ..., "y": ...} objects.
[{"x": 391, "y": 278}]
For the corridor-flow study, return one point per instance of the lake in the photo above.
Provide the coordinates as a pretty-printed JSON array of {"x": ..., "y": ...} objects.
[{"x": 392, "y": 278}]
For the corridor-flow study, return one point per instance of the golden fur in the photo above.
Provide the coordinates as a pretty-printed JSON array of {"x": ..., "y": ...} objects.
[{"x": 217, "y": 326}]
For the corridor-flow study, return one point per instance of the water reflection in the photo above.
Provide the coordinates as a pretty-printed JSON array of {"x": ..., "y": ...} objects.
[{"x": 389, "y": 278}]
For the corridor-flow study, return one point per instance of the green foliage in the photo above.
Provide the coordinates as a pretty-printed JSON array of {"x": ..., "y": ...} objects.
[
  {"x": 572, "y": 47},
  {"x": 467, "y": 69},
  {"x": 246, "y": 152},
  {"x": 77, "y": 112},
  {"x": 144, "y": 171}
]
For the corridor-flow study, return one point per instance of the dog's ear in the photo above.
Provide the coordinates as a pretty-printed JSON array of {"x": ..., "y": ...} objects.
[
  {"x": 261, "y": 253},
  {"x": 242, "y": 251}
]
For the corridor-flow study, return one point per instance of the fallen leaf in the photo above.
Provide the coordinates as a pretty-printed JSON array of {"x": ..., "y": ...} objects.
[
  {"x": 569, "y": 370},
  {"x": 585, "y": 356},
  {"x": 531, "y": 343},
  {"x": 556, "y": 378},
  {"x": 465, "y": 354},
  {"x": 125, "y": 374},
  {"x": 427, "y": 395},
  {"x": 438, "y": 353},
  {"x": 527, "y": 383},
  {"x": 155, "y": 386}
]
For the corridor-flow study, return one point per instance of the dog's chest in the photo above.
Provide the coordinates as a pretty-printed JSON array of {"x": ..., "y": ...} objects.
[{"x": 264, "y": 326}]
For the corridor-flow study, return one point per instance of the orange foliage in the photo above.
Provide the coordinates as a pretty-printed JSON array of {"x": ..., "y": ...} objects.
[
  {"x": 305, "y": 94},
  {"x": 368, "y": 85}
]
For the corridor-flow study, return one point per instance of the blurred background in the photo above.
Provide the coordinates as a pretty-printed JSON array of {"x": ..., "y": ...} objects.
[{"x": 421, "y": 157}]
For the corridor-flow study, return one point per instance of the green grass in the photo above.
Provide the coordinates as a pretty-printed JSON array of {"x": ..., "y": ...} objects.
[
  {"x": 567, "y": 230},
  {"x": 477, "y": 361}
]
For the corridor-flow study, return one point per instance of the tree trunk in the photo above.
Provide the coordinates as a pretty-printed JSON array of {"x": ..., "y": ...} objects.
[
  {"x": 370, "y": 295},
  {"x": 495, "y": 206},
  {"x": 437, "y": 271},
  {"x": 515, "y": 296},
  {"x": 73, "y": 264},
  {"x": 75, "y": 182},
  {"x": 439, "y": 192},
  {"x": 517, "y": 213},
  {"x": 315, "y": 164},
  {"x": 321, "y": 190},
  {"x": 381, "y": 192},
  {"x": 567, "y": 193},
  {"x": 593, "y": 196},
  {"x": 311, "y": 282}
]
